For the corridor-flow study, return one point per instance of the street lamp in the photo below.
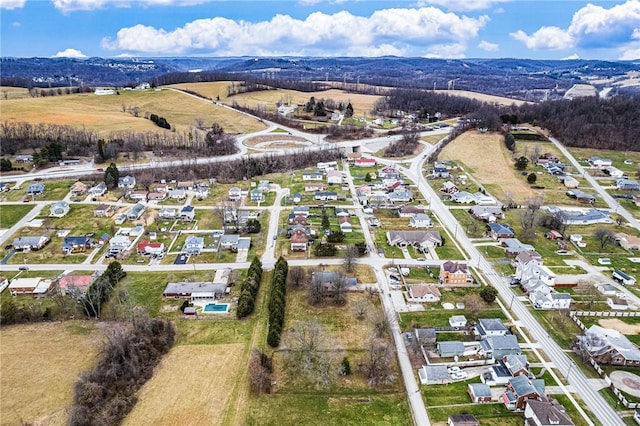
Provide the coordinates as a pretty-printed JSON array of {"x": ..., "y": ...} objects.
[{"x": 513, "y": 297}]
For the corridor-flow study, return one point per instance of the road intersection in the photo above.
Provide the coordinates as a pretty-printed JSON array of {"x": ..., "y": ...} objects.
[{"x": 579, "y": 384}]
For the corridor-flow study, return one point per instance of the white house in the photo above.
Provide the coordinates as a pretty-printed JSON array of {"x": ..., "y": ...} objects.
[
  {"x": 458, "y": 321},
  {"x": 614, "y": 172},
  {"x": 194, "y": 244},
  {"x": 234, "y": 193},
  {"x": 423, "y": 293},
  {"x": 127, "y": 182},
  {"x": 542, "y": 300},
  {"x": 177, "y": 194},
  {"x": 312, "y": 176},
  {"x": 599, "y": 162},
  {"x": 59, "y": 209},
  {"x": 345, "y": 225},
  {"x": 421, "y": 220},
  {"x": 99, "y": 190},
  {"x": 334, "y": 177},
  {"x": 118, "y": 244}
]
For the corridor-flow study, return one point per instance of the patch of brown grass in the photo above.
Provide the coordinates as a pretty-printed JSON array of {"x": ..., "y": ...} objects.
[
  {"x": 621, "y": 326},
  {"x": 190, "y": 387},
  {"x": 104, "y": 114},
  {"x": 40, "y": 364},
  {"x": 484, "y": 156}
]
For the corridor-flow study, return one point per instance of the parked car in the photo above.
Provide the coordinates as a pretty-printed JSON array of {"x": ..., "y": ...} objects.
[
  {"x": 459, "y": 376},
  {"x": 454, "y": 370},
  {"x": 23, "y": 268}
]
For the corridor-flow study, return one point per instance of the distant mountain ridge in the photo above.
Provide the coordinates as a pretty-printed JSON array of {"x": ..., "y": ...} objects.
[{"x": 517, "y": 78}]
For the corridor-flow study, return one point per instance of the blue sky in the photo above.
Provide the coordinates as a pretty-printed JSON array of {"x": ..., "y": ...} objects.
[{"x": 538, "y": 29}]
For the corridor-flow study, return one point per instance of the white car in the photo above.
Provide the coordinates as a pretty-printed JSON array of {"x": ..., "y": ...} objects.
[
  {"x": 454, "y": 370},
  {"x": 459, "y": 376}
]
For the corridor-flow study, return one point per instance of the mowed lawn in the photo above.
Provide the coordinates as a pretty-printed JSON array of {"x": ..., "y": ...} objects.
[
  {"x": 104, "y": 114},
  {"x": 40, "y": 365},
  {"x": 190, "y": 387},
  {"x": 485, "y": 156},
  {"x": 11, "y": 214}
]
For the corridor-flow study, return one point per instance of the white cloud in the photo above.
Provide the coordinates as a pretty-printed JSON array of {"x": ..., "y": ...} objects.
[
  {"x": 69, "y": 53},
  {"x": 75, "y": 5},
  {"x": 488, "y": 46},
  {"x": 12, "y": 4},
  {"x": 442, "y": 51},
  {"x": 630, "y": 55},
  {"x": 636, "y": 34},
  {"x": 462, "y": 5},
  {"x": 591, "y": 27},
  {"x": 545, "y": 38},
  {"x": 571, "y": 57},
  {"x": 387, "y": 32},
  {"x": 16, "y": 24}
]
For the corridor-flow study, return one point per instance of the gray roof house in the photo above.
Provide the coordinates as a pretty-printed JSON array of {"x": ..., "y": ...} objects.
[
  {"x": 608, "y": 346},
  {"x": 193, "y": 244},
  {"x": 30, "y": 243},
  {"x": 490, "y": 327},
  {"x": 135, "y": 212},
  {"x": 450, "y": 349},
  {"x": 35, "y": 189},
  {"x": 434, "y": 374},
  {"x": 500, "y": 346},
  {"x": 127, "y": 182},
  {"x": 414, "y": 238},
  {"x": 479, "y": 392},
  {"x": 546, "y": 413},
  {"x": 188, "y": 288}
]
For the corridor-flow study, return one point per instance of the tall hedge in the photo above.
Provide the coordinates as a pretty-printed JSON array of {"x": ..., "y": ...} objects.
[
  {"x": 249, "y": 289},
  {"x": 277, "y": 302}
]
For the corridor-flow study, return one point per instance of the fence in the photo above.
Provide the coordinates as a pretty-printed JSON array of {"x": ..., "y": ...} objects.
[{"x": 574, "y": 316}]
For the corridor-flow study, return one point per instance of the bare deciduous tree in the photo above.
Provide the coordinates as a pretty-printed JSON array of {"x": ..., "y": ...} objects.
[
  {"x": 260, "y": 368},
  {"x": 529, "y": 218},
  {"x": 379, "y": 322},
  {"x": 349, "y": 258},
  {"x": 361, "y": 308},
  {"x": 473, "y": 304},
  {"x": 315, "y": 290},
  {"x": 296, "y": 277},
  {"x": 307, "y": 339},
  {"x": 377, "y": 362},
  {"x": 604, "y": 236}
]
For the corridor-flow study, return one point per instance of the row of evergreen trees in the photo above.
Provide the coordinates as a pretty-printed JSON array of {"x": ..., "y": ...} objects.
[
  {"x": 277, "y": 302},
  {"x": 249, "y": 289}
]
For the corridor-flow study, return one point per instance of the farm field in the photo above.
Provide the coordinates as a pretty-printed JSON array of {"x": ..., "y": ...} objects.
[
  {"x": 178, "y": 395},
  {"x": 8, "y": 92},
  {"x": 496, "y": 171},
  {"x": 362, "y": 104},
  {"x": 104, "y": 114},
  {"x": 70, "y": 348}
]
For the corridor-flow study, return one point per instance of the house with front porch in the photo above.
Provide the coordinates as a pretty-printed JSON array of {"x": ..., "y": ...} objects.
[
  {"x": 299, "y": 241},
  {"x": 609, "y": 346},
  {"x": 194, "y": 245},
  {"x": 420, "y": 221}
]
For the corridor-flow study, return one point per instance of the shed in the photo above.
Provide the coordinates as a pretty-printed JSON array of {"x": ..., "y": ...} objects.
[{"x": 450, "y": 349}]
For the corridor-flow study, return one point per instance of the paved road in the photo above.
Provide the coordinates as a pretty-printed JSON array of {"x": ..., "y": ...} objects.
[
  {"x": 562, "y": 362},
  {"x": 611, "y": 202}
]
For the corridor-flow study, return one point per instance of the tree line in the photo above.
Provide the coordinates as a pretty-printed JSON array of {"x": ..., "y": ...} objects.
[
  {"x": 249, "y": 289},
  {"x": 107, "y": 393},
  {"x": 100, "y": 290},
  {"x": 277, "y": 302}
]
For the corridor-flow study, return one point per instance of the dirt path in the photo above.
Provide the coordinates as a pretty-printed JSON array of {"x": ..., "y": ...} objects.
[{"x": 621, "y": 326}]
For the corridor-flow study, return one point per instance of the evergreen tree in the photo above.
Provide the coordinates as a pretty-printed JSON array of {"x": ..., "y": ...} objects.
[
  {"x": 111, "y": 176},
  {"x": 348, "y": 112}
]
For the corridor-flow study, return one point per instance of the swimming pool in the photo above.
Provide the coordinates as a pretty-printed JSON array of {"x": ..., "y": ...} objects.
[{"x": 216, "y": 307}]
